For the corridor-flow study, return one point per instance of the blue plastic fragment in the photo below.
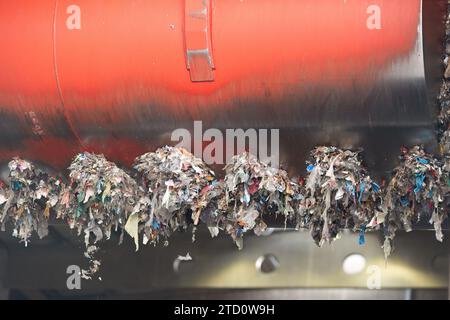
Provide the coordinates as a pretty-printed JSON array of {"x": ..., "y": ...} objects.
[
  {"x": 375, "y": 187},
  {"x": 155, "y": 224},
  {"x": 423, "y": 161},
  {"x": 350, "y": 187},
  {"x": 404, "y": 201},
  {"x": 361, "y": 191},
  {"x": 362, "y": 236},
  {"x": 16, "y": 185},
  {"x": 246, "y": 196},
  {"x": 80, "y": 197},
  {"x": 80, "y": 210},
  {"x": 420, "y": 178},
  {"x": 310, "y": 168}
]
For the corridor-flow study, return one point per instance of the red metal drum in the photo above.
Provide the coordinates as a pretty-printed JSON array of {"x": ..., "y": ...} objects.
[{"x": 117, "y": 77}]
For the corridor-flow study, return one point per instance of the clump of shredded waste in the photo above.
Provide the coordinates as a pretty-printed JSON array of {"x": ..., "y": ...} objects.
[
  {"x": 175, "y": 190},
  {"x": 213, "y": 207},
  {"x": 101, "y": 198},
  {"x": 444, "y": 115},
  {"x": 105, "y": 196},
  {"x": 28, "y": 200},
  {"x": 254, "y": 189},
  {"x": 338, "y": 194},
  {"x": 175, "y": 181},
  {"x": 416, "y": 191}
]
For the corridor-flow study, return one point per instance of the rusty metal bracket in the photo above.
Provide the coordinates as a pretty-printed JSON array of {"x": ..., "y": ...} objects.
[{"x": 198, "y": 40}]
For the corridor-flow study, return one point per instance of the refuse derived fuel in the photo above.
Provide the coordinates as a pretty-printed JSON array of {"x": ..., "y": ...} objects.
[
  {"x": 99, "y": 127},
  {"x": 175, "y": 191}
]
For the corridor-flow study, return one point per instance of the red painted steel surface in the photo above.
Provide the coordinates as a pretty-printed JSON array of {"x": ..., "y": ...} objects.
[{"x": 70, "y": 88}]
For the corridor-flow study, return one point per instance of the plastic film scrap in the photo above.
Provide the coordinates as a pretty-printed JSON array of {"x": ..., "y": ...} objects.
[
  {"x": 102, "y": 198},
  {"x": 416, "y": 190},
  {"x": 444, "y": 115},
  {"x": 175, "y": 181},
  {"x": 173, "y": 190},
  {"x": 253, "y": 190},
  {"x": 213, "y": 207},
  {"x": 338, "y": 195},
  {"x": 28, "y": 200}
]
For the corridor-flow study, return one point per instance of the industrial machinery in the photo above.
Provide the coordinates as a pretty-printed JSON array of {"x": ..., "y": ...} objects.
[{"x": 117, "y": 77}]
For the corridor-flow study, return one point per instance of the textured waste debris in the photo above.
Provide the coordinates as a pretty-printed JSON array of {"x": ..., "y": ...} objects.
[
  {"x": 444, "y": 117},
  {"x": 416, "y": 191},
  {"x": 3, "y": 194},
  {"x": 105, "y": 196},
  {"x": 339, "y": 194},
  {"x": 102, "y": 198},
  {"x": 94, "y": 264},
  {"x": 444, "y": 97},
  {"x": 213, "y": 207},
  {"x": 174, "y": 180},
  {"x": 253, "y": 190},
  {"x": 6, "y": 198},
  {"x": 28, "y": 200},
  {"x": 447, "y": 46},
  {"x": 176, "y": 190}
]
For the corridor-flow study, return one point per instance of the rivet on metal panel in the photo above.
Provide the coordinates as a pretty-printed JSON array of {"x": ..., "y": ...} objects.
[{"x": 199, "y": 60}]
